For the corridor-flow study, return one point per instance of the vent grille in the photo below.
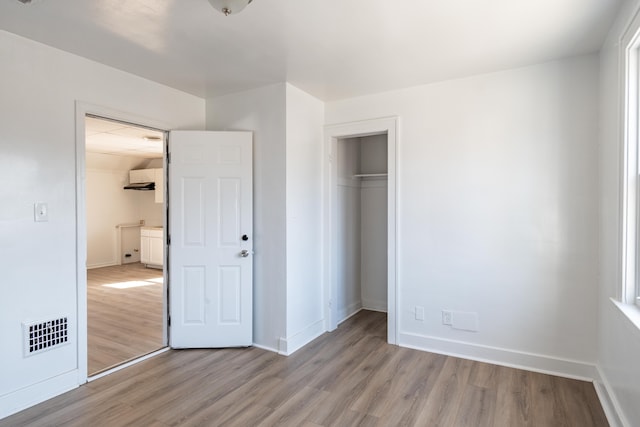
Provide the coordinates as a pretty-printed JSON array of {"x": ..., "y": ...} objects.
[{"x": 42, "y": 336}]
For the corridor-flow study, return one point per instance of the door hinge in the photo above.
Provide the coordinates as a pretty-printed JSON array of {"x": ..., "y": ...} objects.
[
  {"x": 168, "y": 157},
  {"x": 168, "y": 320},
  {"x": 168, "y": 239}
]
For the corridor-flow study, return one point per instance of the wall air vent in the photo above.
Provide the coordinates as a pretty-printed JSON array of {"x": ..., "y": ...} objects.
[{"x": 42, "y": 336}]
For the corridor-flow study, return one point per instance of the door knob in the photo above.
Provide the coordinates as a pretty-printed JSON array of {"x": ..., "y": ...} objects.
[
  {"x": 244, "y": 253},
  {"x": 245, "y": 237}
]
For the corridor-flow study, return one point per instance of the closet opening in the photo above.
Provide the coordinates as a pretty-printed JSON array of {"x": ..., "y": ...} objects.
[
  {"x": 360, "y": 221},
  {"x": 361, "y": 240}
]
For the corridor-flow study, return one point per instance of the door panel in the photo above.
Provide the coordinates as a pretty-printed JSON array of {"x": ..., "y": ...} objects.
[{"x": 210, "y": 272}]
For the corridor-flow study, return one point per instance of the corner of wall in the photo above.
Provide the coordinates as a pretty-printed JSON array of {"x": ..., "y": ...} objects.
[{"x": 288, "y": 346}]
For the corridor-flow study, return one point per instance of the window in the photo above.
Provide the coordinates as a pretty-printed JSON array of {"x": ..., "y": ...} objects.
[{"x": 631, "y": 168}]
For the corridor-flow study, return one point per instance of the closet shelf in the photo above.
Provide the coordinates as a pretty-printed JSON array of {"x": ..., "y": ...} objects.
[{"x": 369, "y": 175}]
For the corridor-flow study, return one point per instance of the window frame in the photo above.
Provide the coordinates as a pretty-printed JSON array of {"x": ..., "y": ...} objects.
[{"x": 630, "y": 46}]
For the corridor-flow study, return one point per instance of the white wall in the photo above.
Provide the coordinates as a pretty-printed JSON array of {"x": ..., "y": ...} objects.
[
  {"x": 263, "y": 112},
  {"x": 373, "y": 154},
  {"x": 619, "y": 340},
  {"x": 304, "y": 121},
  {"x": 40, "y": 86},
  {"x": 373, "y": 223},
  {"x": 287, "y": 134},
  {"x": 373, "y": 241},
  {"x": 497, "y": 212},
  {"x": 348, "y": 241}
]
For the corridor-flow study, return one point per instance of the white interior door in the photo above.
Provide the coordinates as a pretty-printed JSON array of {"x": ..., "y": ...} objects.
[{"x": 211, "y": 239}]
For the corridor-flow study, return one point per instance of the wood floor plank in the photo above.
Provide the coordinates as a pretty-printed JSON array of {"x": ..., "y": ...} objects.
[
  {"x": 351, "y": 386},
  {"x": 124, "y": 314},
  {"x": 578, "y": 399},
  {"x": 477, "y": 407},
  {"x": 547, "y": 408},
  {"x": 294, "y": 411},
  {"x": 349, "y": 377},
  {"x": 514, "y": 398},
  {"x": 445, "y": 398},
  {"x": 411, "y": 388}
]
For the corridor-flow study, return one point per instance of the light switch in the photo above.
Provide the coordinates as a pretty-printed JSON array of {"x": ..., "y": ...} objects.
[{"x": 40, "y": 212}]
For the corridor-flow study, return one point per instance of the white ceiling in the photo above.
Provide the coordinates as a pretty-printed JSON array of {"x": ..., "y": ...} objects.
[
  {"x": 110, "y": 137},
  {"x": 332, "y": 49}
]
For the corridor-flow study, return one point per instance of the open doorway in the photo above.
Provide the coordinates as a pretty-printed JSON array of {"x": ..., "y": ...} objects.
[
  {"x": 360, "y": 221},
  {"x": 361, "y": 238},
  {"x": 125, "y": 216}
]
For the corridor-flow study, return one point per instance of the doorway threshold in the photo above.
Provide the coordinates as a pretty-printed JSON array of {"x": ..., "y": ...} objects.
[{"x": 131, "y": 362}]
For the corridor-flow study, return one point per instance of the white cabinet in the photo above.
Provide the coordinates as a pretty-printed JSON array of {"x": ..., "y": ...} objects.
[
  {"x": 155, "y": 175},
  {"x": 156, "y": 252},
  {"x": 142, "y": 175},
  {"x": 144, "y": 248},
  {"x": 152, "y": 246}
]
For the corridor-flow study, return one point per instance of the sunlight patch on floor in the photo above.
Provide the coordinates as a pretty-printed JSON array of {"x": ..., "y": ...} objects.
[{"x": 133, "y": 284}]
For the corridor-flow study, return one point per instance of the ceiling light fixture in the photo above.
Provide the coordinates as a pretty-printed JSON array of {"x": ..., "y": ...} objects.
[{"x": 229, "y": 7}]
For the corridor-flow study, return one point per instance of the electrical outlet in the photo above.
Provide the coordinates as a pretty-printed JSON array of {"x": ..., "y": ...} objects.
[
  {"x": 419, "y": 313},
  {"x": 447, "y": 317}
]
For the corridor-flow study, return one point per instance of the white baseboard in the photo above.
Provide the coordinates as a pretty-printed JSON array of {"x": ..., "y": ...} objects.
[
  {"x": 374, "y": 305},
  {"x": 608, "y": 401},
  {"x": 499, "y": 356},
  {"x": 353, "y": 313},
  {"x": 290, "y": 345},
  {"x": 24, "y": 398},
  {"x": 348, "y": 311},
  {"x": 264, "y": 347},
  {"x": 100, "y": 265}
]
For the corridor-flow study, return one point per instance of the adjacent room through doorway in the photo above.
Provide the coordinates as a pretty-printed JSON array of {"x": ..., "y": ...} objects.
[{"x": 125, "y": 213}]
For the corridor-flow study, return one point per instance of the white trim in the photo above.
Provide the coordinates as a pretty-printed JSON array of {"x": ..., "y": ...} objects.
[
  {"x": 545, "y": 364},
  {"x": 374, "y": 305},
  {"x": 26, "y": 397},
  {"x": 630, "y": 311},
  {"x": 127, "y": 364},
  {"x": 350, "y": 316},
  {"x": 607, "y": 407},
  {"x": 82, "y": 109},
  {"x": 349, "y": 311},
  {"x": 610, "y": 404},
  {"x": 630, "y": 86},
  {"x": 390, "y": 126},
  {"x": 264, "y": 347},
  {"x": 288, "y": 346},
  {"x": 102, "y": 264}
]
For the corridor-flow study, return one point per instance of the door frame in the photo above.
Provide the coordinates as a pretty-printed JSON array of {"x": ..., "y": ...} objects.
[
  {"x": 390, "y": 127},
  {"x": 81, "y": 111}
]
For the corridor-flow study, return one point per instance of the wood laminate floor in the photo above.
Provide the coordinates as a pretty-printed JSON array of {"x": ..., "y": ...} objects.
[
  {"x": 349, "y": 377},
  {"x": 124, "y": 306}
]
